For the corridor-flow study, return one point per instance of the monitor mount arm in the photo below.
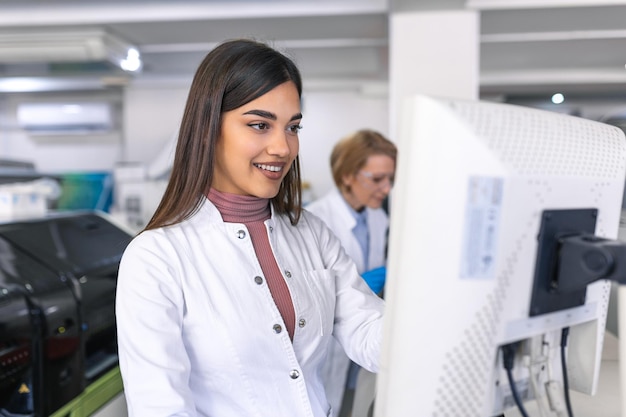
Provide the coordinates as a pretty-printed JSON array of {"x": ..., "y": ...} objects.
[
  {"x": 570, "y": 257},
  {"x": 585, "y": 258}
]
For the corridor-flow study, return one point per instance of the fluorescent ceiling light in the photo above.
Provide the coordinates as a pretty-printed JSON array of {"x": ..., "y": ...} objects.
[{"x": 28, "y": 84}]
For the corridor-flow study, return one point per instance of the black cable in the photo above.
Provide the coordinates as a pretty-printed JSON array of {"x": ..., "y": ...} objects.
[
  {"x": 508, "y": 357},
  {"x": 568, "y": 403}
]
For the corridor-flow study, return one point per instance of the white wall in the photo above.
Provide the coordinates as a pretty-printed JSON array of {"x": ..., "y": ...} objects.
[
  {"x": 152, "y": 114},
  {"x": 329, "y": 116}
]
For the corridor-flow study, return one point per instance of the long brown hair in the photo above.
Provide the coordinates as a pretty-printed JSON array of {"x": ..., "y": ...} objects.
[{"x": 231, "y": 75}]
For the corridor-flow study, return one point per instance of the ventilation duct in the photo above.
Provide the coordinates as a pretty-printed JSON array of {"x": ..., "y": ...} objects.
[
  {"x": 69, "y": 45},
  {"x": 65, "y": 118}
]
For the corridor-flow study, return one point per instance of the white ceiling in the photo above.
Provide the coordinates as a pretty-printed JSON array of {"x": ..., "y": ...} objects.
[{"x": 527, "y": 46}]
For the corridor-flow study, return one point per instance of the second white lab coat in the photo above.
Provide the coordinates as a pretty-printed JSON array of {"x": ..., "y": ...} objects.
[
  {"x": 334, "y": 211},
  {"x": 199, "y": 333}
]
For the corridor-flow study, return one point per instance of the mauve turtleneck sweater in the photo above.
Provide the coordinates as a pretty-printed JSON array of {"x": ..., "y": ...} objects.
[{"x": 253, "y": 211}]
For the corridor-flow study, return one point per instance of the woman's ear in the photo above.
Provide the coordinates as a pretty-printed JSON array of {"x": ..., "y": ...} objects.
[{"x": 347, "y": 181}]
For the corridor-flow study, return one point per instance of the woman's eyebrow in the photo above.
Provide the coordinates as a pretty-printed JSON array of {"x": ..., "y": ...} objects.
[
  {"x": 270, "y": 115},
  {"x": 262, "y": 113}
]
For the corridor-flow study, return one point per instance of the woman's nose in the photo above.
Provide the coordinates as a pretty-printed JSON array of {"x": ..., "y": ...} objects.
[
  {"x": 279, "y": 145},
  {"x": 385, "y": 183}
]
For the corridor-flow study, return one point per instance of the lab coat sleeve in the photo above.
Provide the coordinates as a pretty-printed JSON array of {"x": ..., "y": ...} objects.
[
  {"x": 359, "y": 311},
  {"x": 149, "y": 313}
]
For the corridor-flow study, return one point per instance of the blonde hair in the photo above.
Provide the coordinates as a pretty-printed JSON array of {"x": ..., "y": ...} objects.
[{"x": 350, "y": 154}]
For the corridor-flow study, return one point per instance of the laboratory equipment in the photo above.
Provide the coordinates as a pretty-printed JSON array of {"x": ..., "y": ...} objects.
[{"x": 57, "y": 310}]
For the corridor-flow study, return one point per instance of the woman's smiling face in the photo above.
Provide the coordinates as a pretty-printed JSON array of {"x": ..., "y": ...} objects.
[{"x": 258, "y": 143}]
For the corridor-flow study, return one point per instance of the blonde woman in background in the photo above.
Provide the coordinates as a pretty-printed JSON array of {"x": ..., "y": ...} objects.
[{"x": 363, "y": 167}]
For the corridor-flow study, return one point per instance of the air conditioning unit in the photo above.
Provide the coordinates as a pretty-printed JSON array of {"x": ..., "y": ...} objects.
[{"x": 65, "y": 118}]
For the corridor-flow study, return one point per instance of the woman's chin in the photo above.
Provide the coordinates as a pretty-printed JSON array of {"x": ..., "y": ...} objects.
[{"x": 268, "y": 193}]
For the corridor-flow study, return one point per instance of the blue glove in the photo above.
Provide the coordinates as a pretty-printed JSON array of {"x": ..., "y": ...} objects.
[{"x": 375, "y": 278}]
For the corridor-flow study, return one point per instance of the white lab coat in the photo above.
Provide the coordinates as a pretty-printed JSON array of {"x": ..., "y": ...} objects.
[
  {"x": 334, "y": 211},
  {"x": 197, "y": 325}
]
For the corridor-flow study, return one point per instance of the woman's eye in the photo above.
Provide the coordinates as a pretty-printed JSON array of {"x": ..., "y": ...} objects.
[
  {"x": 378, "y": 180},
  {"x": 294, "y": 129},
  {"x": 259, "y": 126}
]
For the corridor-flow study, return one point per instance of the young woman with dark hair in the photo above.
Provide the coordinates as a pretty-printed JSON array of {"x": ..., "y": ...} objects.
[{"x": 228, "y": 300}]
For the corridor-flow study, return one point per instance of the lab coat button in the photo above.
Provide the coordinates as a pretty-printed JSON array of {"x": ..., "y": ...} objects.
[
  {"x": 302, "y": 323},
  {"x": 271, "y": 229},
  {"x": 294, "y": 374},
  {"x": 288, "y": 274},
  {"x": 278, "y": 328},
  {"x": 258, "y": 280},
  {"x": 241, "y": 234}
]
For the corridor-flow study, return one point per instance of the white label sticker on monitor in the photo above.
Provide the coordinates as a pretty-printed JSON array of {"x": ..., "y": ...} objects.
[{"x": 482, "y": 218}]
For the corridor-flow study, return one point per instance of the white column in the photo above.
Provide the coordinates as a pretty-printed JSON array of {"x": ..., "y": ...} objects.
[{"x": 434, "y": 52}]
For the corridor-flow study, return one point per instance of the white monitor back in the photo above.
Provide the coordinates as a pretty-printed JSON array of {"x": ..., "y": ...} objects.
[{"x": 472, "y": 181}]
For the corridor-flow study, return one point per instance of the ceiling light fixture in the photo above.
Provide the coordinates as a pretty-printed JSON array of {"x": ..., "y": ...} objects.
[
  {"x": 558, "y": 98},
  {"x": 132, "y": 62}
]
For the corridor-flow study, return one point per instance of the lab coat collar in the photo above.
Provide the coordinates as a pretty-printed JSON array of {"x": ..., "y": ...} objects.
[{"x": 346, "y": 213}]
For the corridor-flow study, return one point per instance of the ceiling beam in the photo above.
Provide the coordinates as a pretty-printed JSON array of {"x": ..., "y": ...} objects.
[
  {"x": 103, "y": 13},
  {"x": 538, "y": 4}
]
